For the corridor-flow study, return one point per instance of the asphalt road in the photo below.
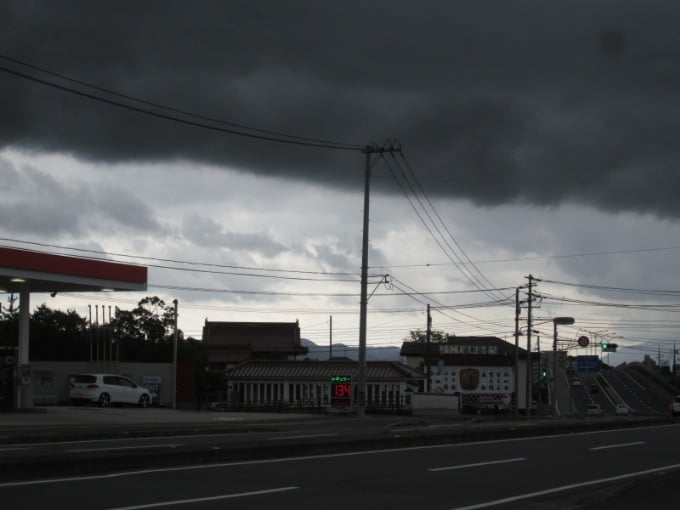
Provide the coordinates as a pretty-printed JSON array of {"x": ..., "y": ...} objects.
[
  {"x": 78, "y": 441},
  {"x": 553, "y": 471}
]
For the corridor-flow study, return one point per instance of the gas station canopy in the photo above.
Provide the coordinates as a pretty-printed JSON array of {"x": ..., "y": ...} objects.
[
  {"x": 46, "y": 272},
  {"x": 25, "y": 272}
]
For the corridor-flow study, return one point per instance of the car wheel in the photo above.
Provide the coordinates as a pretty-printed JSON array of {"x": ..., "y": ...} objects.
[
  {"x": 144, "y": 401},
  {"x": 104, "y": 400}
]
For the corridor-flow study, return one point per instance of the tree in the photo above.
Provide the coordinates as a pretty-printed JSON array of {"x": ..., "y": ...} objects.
[
  {"x": 9, "y": 323},
  {"x": 146, "y": 332},
  {"x": 420, "y": 335},
  {"x": 57, "y": 335}
]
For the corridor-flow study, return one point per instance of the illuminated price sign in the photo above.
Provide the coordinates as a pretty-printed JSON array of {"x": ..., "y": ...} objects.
[{"x": 341, "y": 391}]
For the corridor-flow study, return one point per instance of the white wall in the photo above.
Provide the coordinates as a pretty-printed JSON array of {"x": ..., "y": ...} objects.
[
  {"x": 49, "y": 379},
  {"x": 426, "y": 403}
]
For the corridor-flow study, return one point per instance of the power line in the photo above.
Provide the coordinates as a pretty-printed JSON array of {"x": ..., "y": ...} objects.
[
  {"x": 190, "y": 263},
  {"x": 204, "y": 289},
  {"x": 656, "y": 292},
  {"x": 448, "y": 231},
  {"x": 415, "y": 293},
  {"x": 176, "y": 261},
  {"x": 169, "y": 108},
  {"x": 256, "y": 134},
  {"x": 467, "y": 274},
  {"x": 673, "y": 307},
  {"x": 544, "y": 257}
]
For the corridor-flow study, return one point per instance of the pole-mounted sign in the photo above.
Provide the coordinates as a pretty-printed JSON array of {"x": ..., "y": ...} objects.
[{"x": 341, "y": 391}]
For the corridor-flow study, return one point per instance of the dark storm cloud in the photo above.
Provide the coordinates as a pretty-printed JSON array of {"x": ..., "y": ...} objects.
[{"x": 496, "y": 102}]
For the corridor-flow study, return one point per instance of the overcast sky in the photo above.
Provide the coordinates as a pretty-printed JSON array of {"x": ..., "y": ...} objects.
[{"x": 536, "y": 138}]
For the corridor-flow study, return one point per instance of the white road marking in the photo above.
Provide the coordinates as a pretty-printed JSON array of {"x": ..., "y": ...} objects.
[
  {"x": 330, "y": 434},
  {"x": 137, "y": 439},
  {"x": 9, "y": 449},
  {"x": 208, "y": 498},
  {"x": 114, "y": 448},
  {"x": 477, "y": 464},
  {"x": 417, "y": 428},
  {"x": 562, "y": 488},
  {"x": 317, "y": 457},
  {"x": 620, "y": 445}
]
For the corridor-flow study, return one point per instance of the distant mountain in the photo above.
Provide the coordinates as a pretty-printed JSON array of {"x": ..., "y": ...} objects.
[{"x": 320, "y": 352}]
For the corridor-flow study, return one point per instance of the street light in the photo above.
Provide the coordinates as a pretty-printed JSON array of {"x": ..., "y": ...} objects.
[{"x": 562, "y": 321}]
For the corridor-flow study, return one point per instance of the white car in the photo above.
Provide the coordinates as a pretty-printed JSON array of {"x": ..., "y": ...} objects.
[
  {"x": 621, "y": 409},
  {"x": 107, "y": 389}
]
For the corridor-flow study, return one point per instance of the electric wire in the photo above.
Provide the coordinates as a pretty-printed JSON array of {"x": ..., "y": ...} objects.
[
  {"x": 169, "y": 108},
  {"x": 461, "y": 267},
  {"x": 437, "y": 309},
  {"x": 448, "y": 231},
  {"x": 540, "y": 257},
  {"x": 656, "y": 292},
  {"x": 175, "y": 261},
  {"x": 287, "y": 139}
]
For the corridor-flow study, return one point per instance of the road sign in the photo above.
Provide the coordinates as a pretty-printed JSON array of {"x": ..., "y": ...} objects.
[
  {"x": 588, "y": 363},
  {"x": 583, "y": 341}
]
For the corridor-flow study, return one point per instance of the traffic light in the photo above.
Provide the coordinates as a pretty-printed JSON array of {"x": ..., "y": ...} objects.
[
  {"x": 544, "y": 373},
  {"x": 609, "y": 347},
  {"x": 605, "y": 346}
]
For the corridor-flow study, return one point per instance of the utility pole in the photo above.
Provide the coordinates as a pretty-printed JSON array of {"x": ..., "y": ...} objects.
[
  {"x": 330, "y": 345},
  {"x": 174, "y": 360},
  {"x": 528, "y": 388},
  {"x": 89, "y": 307},
  {"x": 369, "y": 150},
  {"x": 674, "y": 353},
  {"x": 427, "y": 347},
  {"x": 517, "y": 311}
]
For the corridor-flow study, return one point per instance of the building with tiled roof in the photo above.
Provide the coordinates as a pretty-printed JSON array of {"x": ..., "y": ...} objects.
[
  {"x": 308, "y": 383},
  {"x": 480, "y": 370},
  {"x": 231, "y": 343}
]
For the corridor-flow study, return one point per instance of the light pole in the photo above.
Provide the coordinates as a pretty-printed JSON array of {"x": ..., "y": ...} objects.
[{"x": 562, "y": 321}]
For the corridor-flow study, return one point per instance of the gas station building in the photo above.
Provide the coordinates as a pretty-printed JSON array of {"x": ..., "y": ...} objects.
[{"x": 24, "y": 272}]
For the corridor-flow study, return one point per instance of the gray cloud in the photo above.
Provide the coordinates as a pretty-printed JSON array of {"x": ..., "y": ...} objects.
[
  {"x": 497, "y": 103},
  {"x": 124, "y": 209},
  {"x": 207, "y": 232},
  {"x": 33, "y": 201}
]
